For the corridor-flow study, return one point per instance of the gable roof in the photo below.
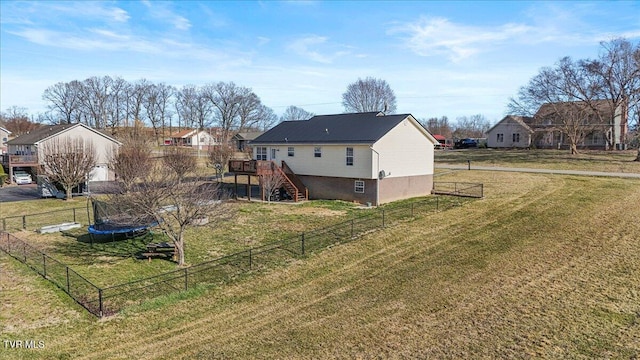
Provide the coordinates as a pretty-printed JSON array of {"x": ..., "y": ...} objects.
[
  {"x": 357, "y": 128},
  {"x": 523, "y": 121},
  {"x": 47, "y": 131},
  {"x": 5, "y": 130},
  {"x": 250, "y": 135},
  {"x": 184, "y": 133},
  {"x": 604, "y": 107}
]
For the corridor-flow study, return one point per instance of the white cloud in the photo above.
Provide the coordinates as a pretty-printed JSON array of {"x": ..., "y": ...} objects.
[
  {"x": 439, "y": 36},
  {"x": 318, "y": 49},
  {"x": 160, "y": 11}
]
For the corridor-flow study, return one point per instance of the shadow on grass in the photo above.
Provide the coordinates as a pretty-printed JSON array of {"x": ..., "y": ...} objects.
[{"x": 90, "y": 249}]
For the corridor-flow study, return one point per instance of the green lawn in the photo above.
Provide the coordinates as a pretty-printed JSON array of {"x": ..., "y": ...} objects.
[{"x": 545, "y": 266}]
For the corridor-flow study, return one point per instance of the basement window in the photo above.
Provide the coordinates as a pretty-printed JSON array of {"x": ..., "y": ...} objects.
[{"x": 359, "y": 186}]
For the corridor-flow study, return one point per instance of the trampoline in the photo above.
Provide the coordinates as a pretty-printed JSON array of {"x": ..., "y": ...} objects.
[{"x": 110, "y": 220}]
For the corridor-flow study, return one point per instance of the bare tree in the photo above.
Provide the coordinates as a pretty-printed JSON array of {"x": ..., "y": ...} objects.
[
  {"x": 226, "y": 99},
  {"x": 569, "y": 97},
  {"x": 68, "y": 161},
  {"x": 219, "y": 155},
  {"x": 94, "y": 98},
  {"x": 180, "y": 161},
  {"x": 132, "y": 163},
  {"x": 296, "y": 113},
  {"x": 175, "y": 205},
  {"x": 16, "y": 120},
  {"x": 617, "y": 75},
  {"x": 439, "y": 126},
  {"x": 156, "y": 104},
  {"x": 64, "y": 101},
  {"x": 474, "y": 126},
  {"x": 271, "y": 182},
  {"x": 186, "y": 104},
  {"x": 368, "y": 95}
]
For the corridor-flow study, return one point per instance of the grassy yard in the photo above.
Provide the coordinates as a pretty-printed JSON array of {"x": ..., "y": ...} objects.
[
  {"x": 591, "y": 160},
  {"x": 545, "y": 266}
]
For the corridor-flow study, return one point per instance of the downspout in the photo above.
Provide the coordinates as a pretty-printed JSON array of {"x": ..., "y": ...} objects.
[{"x": 377, "y": 176}]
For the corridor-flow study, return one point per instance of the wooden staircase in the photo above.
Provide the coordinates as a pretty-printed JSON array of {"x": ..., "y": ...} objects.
[
  {"x": 291, "y": 183},
  {"x": 296, "y": 193}
]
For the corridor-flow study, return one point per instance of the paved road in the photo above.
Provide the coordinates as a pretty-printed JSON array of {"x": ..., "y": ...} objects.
[{"x": 542, "y": 171}]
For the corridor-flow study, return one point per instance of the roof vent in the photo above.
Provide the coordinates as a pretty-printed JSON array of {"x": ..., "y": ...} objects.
[{"x": 326, "y": 130}]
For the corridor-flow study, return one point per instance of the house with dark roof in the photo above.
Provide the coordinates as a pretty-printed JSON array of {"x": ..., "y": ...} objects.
[
  {"x": 243, "y": 139},
  {"x": 510, "y": 132},
  {"x": 26, "y": 151},
  {"x": 363, "y": 157}
]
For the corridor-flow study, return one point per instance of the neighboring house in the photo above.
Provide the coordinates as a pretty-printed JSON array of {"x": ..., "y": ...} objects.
[
  {"x": 244, "y": 139},
  {"x": 198, "y": 139},
  {"x": 364, "y": 157},
  {"x": 510, "y": 132},
  {"x": 599, "y": 125},
  {"x": 25, "y": 151},
  {"x": 4, "y": 137}
]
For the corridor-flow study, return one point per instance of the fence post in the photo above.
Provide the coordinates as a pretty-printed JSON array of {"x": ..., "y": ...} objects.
[
  {"x": 24, "y": 222},
  {"x": 24, "y": 252},
  {"x": 481, "y": 190},
  {"x": 4, "y": 224},
  {"x": 68, "y": 287},
  {"x": 352, "y": 220},
  {"x": 412, "y": 209},
  {"x": 186, "y": 279},
  {"x": 44, "y": 264},
  {"x": 437, "y": 203},
  {"x": 382, "y": 217},
  {"x": 250, "y": 260},
  {"x": 302, "y": 242},
  {"x": 74, "y": 214},
  {"x": 100, "y": 301}
]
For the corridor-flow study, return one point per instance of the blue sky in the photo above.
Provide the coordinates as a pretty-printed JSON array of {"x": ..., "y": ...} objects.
[{"x": 453, "y": 58}]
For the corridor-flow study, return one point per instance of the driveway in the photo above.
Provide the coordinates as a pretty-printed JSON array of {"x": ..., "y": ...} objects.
[{"x": 19, "y": 192}]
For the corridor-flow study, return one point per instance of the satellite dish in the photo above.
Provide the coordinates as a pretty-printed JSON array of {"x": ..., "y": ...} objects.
[{"x": 381, "y": 175}]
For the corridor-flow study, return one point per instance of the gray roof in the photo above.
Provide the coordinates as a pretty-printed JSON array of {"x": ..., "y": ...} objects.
[
  {"x": 46, "y": 131},
  {"x": 358, "y": 128}
]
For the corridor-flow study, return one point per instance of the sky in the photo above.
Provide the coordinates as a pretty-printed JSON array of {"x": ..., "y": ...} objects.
[{"x": 441, "y": 58}]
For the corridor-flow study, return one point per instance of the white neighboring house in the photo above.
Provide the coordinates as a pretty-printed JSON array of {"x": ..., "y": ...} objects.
[
  {"x": 25, "y": 151},
  {"x": 4, "y": 137},
  {"x": 364, "y": 157},
  {"x": 197, "y": 139}
]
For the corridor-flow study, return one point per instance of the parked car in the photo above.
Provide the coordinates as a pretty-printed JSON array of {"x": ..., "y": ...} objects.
[
  {"x": 22, "y": 177},
  {"x": 466, "y": 143}
]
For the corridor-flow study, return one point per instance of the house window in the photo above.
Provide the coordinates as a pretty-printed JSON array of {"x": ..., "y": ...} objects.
[
  {"x": 349, "y": 156},
  {"x": 261, "y": 153},
  {"x": 516, "y": 137},
  {"x": 273, "y": 154},
  {"x": 290, "y": 151},
  {"x": 317, "y": 151},
  {"x": 500, "y": 138},
  {"x": 359, "y": 186}
]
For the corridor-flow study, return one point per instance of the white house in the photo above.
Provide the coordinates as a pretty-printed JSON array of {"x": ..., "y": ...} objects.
[
  {"x": 198, "y": 139},
  {"x": 26, "y": 150},
  {"x": 4, "y": 137},
  {"x": 364, "y": 157}
]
